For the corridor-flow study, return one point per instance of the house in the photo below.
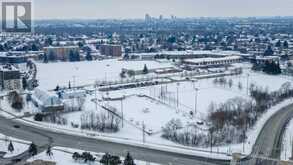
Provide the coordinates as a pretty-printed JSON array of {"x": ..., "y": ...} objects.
[{"x": 47, "y": 102}]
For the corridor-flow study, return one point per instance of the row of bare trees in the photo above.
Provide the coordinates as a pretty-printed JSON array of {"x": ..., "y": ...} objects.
[
  {"x": 102, "y": 122},
  {"x": 228, "y": 122}
]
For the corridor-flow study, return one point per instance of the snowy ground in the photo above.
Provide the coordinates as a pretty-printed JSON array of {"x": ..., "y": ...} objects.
[
  {"x": 63, "y": 156},
  {"x": 287, "y": 142},
  {"x": 155, "y": 114},
  {"x": 87, "y": 72},
  {"x": 19, "y": 145}
]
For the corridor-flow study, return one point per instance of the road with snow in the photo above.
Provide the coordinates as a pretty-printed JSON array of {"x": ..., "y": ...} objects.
[{"x": 267, "y": 144}]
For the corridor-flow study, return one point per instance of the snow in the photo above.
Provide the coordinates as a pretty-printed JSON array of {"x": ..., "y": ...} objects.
[
  {"x": 19, "y": 146},
  {"x": 156, "y": 109},
  {"x": 63, "y": 156},
  {"x": 287, "y": 142},
  {"x": 87, "y": 72}
]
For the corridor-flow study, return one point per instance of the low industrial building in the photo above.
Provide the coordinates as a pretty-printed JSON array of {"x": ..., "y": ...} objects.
[
  {"x": 46, "y": 101},
  {"x": 16, "y": 57},
  {"x": 206, "y": 62}
]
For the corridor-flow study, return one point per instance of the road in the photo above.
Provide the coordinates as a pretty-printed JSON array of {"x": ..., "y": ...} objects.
[
  {"x": 267, "y": 144},
  {"x": 45, "y": 137}
]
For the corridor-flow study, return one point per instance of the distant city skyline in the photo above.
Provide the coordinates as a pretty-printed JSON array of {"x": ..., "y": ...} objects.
[{"x": 120, "y": 9}]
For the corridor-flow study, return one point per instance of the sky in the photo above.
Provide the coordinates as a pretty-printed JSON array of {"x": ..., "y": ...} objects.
[{"x": 99, "y": 9}]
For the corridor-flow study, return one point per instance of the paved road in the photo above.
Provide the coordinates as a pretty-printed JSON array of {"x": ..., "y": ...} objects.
[
  {"x": 267, "y": 143},
  {"x": 43, "y": 137}
]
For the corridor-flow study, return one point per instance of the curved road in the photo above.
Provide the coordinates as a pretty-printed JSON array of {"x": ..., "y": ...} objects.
[{"x": 267, "y": 144}]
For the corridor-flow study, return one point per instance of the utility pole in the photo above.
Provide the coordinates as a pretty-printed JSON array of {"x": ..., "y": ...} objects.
[
  {"x": 195, "y": 105},
  {"x": 143, "y": 132},
  {"x": 196, "y": 95},
  {"x": 178, "y": 84},
  {"x": 247, "y": 82},
  {"x": 122, "y": 114},
  {"x": 96, "y": 98}
]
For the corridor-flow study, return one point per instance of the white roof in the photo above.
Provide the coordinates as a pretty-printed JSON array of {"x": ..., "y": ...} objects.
[
  {"x": 192, "y": 52},
  {"x": 198, "y": 60}
]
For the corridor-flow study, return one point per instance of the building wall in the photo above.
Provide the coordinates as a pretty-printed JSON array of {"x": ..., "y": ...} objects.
[
  {"x": 111, "y": 50},
  {"x": 14, "y": 84},
  {"x": 10, "y": 80},
  {"x": 61, "y": 53}
]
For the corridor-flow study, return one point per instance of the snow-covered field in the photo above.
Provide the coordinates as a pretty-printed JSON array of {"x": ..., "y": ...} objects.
[
  {"x": 19, "y": 145},
  {"x": 63, "y": 156},
  {"x": 87, "y": 72},
  {"x": 161, "y": 106}
]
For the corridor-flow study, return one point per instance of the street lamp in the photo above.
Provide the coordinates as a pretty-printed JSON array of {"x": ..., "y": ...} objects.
[
  {"x": 178, "y": 84},
  {"x": 122, "y": 114},
  {"x": 195, "y": 98}
]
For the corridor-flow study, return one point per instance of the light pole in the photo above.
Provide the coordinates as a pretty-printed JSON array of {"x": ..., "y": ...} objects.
[
  {"x": 143, "y": 132},
  {"x": 122, "y": 114},
  {"x": 195, "y": 98},
  {"x": 195, "y": 104},
  {"x": 96, "y": 97},
  {"x": 247, "y": 83},
  {"x": 178, "y": 84}
]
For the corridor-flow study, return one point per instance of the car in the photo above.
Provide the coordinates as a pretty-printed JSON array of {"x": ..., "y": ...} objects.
[
  {"x": 16, "y": 126},
  {"x": 199, "y": 123}
]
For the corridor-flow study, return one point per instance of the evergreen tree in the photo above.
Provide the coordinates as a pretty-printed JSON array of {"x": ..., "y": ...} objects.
[
  {"x": 45, "y": 60},
  {"x": 24, "y": 83},
  {"x": 77, "y": 56},
  {"x": 145, "y": 69},
  {"x": 10, "y": 147},
  {"x": 49, "y": 151},
  {"x": 272, "y": 68},
  {"x": 52, "y": 56},
  {"x": 128, "y": 160},
  {"x": 74, "y": 56},
  {"x": 269, "y": 51},
  {"x": 286, "y": 45},
  {"x": 278, "y": 44},
  {"x": 106, "y": 159},
  {"x": 34, "y": 47},
  {"x": 48, "y": 41},
  {"x": 2, "y": 49},
  {"x": 76, "y": 156},
  {"x": 71, "y": 56},
  {"x": 88, "y": 56},
  {"x": 33, "y": 150}
]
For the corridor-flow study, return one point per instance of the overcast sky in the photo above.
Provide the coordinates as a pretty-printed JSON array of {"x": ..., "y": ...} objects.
[{"x": 94, "y": 9}]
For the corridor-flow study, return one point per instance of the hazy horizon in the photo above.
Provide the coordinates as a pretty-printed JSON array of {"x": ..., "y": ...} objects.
[{"x": 136, "y": 9}]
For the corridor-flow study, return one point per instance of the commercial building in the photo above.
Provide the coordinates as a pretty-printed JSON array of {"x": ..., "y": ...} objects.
[
  {"x": 60, "y": 53},
  {"x": 205, "y": 62},
  {"x": 188, "y": 54},
  {"x": 46, "y": 101},
  {"x": 16, "y": 57},
  {"x": 264, "y": 59},
  {"x": 111, "y": 50},
  {"x": 10, "y": 78}
]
